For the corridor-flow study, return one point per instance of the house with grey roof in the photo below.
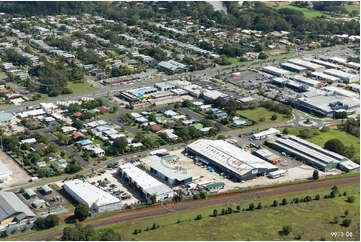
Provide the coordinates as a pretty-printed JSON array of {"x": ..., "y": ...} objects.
[{"x": 12, "y": 209}]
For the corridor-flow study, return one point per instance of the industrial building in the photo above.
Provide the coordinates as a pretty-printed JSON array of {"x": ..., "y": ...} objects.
[
  {"x": 309, "y": 65},
  {"x": 306, "y": 81},
  {"x": 337, "y": 60},
  {"x": 341, "y": 91},
  {"x": 13, "y": 210},
  {"x": 168, "y": 172},
  {"x": 88, "y": 194},
  {"x": 265, "y": 134},
  {"x": 172, "y": 66},
  {"x": 293, "y": 67},
  {"x": 312, "y": 154},
  {"x": 324, "y": 63},
  {"x": 353, "y": 65},
  {"x": 145, "y": 183},
  {"x": 5, "y": 172},
  {"x": 238, "y": 163},
  {"x": 275, "y": 71},
  {"x": 268, "y": 156},
  {"x": 324, "y": 77},
  {"x": 344, "y": 76},
  {"x": 327, "y": 105}
]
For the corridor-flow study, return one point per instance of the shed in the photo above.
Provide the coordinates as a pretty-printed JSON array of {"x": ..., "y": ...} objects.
[
  {"x": 215, "y": 186},
  {"x": 38, "y": 203},
  {"x": 29, "y": 193},
  {"x": 46, "y": 190}
]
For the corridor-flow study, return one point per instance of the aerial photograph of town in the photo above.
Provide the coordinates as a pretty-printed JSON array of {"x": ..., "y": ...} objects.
[{"x": 180, "y": 120}]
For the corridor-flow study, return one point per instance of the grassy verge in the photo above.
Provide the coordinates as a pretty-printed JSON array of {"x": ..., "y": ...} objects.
[
  {"x": 260, "y": 113},
  {"x": 80, "y": 87},
  {"x": 311, "y": 221}
]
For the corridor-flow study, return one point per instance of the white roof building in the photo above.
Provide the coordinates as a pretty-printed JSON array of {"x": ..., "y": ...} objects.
[
  {"x": 266, "y": 133},
  {"x": 96, "y": 198},
  {"x": 148, "y": 184},
  {"x": 5, "y": 172},
  {"x": 28, "y": 141},
  {"x": 34, "y": 112},
  {"x": 229, "y": 158}
]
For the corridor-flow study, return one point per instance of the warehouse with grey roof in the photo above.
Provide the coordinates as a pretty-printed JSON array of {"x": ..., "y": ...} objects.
[
  {"x": 312, "y": 154},
  {"x": 12, "y": 209}
]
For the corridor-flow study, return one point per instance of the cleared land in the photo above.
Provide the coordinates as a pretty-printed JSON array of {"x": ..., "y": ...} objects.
[
  {"x": 260, "y": 113},
  {"x": 310, "y": 220},
  {"x": 80, "y": 87},
  {"x": 322, "y": 137}
]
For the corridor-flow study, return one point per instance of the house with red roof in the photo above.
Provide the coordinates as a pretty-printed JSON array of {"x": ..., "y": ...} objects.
[
  {"x": 156, "y": 128},
  {"x": 77, "y": 134}
]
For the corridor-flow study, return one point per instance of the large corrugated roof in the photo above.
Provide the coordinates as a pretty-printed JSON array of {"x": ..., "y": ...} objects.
[
  {"x": 229, "y": 156},
  {"x": 161, "y": 165},
  {"x": 11, "y": 205}
]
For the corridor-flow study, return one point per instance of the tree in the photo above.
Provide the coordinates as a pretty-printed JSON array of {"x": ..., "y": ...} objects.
[
  {"x": 203, "y": 195},
  {"x": 81, "y": 212},
  {"x": 199, "y": 217},
  {"x": 275, "y": 203},
  {"x": 251, "y": 206},
  {"x": 335, "y": 145},
  {"x": 346, "y": 213},
  {"x": 262, "y": 56},
  {"x": 274, "y": 117},
  {"x": 351, "y": 199},
  {"x": 346, "y": 222},
  {"x": 284, "y": 202},
  {"x": 285, "y": 131},
  {"x": 215, "y": 212},
  {"x": 153, "y": 198},
  {"x": 3, "y": 234},
  {"x": 315, "y": 175},
  {"x": 317, "y": 197},
  {"x": 335, "y": 220},
  {"x": 72, "y": 168},
  {"x": 78, "y": 124},
  {"x": 286, "y": 230},
  {"x": 259, "y": 206},
  {"x": 47, "y": 222}
]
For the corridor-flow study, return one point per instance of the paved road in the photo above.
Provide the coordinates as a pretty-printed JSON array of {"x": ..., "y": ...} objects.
[{"x": 221, "y": 199}]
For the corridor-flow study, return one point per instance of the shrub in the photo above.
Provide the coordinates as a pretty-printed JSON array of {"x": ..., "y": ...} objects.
[
  {"x": 199, "y": 217},
  {"x": 351, "y": 199},
  {"x": 251, "y": 206},
  {"x": 346, "y": 222},
  {"x": 284, "y": 202},
  {"x": 275, "y": 203},
  {"x": 315, "y": 175},
  {"x": 317, "y": 197},
  {"x": 259, "y": 206},
  {"x": 215, "y": 213},
  {"x": 308, "y": 199},
  {"x": 286, "y": 229},
  {"x": 238, "y": 208}
]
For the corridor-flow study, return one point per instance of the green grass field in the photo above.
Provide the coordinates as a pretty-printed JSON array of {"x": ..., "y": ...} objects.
[
  {"x": 308, "y": 13},
  {"x": 323, "y": 137},
  {"x": 233, "y": 61},
  {"x": 260, "y": 112},
  {"x": 352, "y": 7},
  {"x": 310, "y": 220},
  {"x": 80, "y": 87}
]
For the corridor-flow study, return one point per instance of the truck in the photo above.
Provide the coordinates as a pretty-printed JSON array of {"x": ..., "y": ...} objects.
[{"x": 33, "y": 179}]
